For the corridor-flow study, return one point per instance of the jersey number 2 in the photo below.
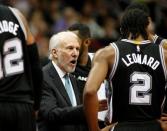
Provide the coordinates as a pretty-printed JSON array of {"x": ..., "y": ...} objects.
[
  {"x": 139, "y": 91},
  {"x": 12, "y": 62}
]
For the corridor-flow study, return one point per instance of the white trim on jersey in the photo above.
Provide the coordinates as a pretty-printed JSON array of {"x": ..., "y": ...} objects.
[
  {"x": 164, "y": 69},
  {"x": 137, "y": 42},
  {"x": 110, "y": 107},
  {"x": 163, "y": 61},
  {"x": 163, "y": 103},
  {"x": 115, "y": 60},
  {"x": 155, "y": 37},
  {"x": 20, "y": 21}
]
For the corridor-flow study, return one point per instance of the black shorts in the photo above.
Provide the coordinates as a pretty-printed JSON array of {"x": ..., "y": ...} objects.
[
  {"x": 138, "y": 126},
  {"x": 16, "y": 117}
]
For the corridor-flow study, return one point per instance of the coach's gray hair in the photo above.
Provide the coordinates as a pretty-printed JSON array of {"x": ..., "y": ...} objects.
[{"x": 57, "y": 39}]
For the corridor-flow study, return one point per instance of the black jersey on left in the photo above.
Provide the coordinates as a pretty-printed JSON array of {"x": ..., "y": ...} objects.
[{"x": 15, "y": 72}]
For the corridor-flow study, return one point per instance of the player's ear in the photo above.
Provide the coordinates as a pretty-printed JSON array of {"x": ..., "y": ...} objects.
[
  {"x": 120, "y": 29},
  {"x": 87, "y": 41}
]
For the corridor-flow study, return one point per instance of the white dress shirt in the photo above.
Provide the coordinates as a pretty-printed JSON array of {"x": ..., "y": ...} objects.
[{"x": 62, "y": 74}]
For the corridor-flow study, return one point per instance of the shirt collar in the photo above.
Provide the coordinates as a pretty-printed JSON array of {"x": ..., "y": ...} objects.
[
  {"x": 59, "y": 71},
  {"x": 137, "y": 42}
]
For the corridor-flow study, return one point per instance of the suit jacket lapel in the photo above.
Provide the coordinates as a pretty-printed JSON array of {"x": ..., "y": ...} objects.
[{"x": 58, "y": 83}]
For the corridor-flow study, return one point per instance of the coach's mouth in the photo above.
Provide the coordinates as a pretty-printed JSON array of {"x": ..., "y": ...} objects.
[{"x": 73, "y": 62}]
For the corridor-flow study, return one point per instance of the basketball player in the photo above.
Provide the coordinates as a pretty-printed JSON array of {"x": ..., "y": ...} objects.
[
  {"x": 152, "y": 36},
  {"x": 136, "y": 69},
  {"x": 19, "y": 61},
  {"x": 156, "y": 40}
]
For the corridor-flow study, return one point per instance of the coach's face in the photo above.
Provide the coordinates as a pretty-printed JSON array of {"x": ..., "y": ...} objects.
[{"x": 67, "y": 54}]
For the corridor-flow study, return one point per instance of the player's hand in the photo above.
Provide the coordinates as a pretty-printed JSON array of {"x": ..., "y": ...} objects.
[
  {"x": 163, "y": 122},
  {"x": 103, "y": 105},
  {"x": 108, "y": 128},
  {"x": 164, "y": 117}
]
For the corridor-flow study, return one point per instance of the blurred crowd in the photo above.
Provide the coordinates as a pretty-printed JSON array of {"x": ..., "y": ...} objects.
[{"x": 47, "y": 17}]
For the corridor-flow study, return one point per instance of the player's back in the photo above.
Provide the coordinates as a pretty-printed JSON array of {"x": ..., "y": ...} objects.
[
  {"x": 15, "y": 78},
  {"x": 138, "y": 81}
]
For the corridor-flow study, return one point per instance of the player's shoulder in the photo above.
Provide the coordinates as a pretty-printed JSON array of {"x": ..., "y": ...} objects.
[
  {"x": 107, "y": 50},
  {"x": 164, "y": 44},
  {"x": 105, "y": 53},
  {"x": 5, "y": 10}
]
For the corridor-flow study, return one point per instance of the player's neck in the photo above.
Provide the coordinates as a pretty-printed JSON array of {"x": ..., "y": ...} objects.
[
  {"x": 139, "y": 38},
  {"x": 83, "y": 58}
]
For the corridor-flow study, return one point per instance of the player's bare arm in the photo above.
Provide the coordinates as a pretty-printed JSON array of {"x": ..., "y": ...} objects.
[
  {"x": 101, "y": 63},
  {"x": 164, "y": 44},
  {"x": 29, "y": 36}
]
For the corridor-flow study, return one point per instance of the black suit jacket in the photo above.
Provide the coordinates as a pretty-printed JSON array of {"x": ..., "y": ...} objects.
[{"x": 56, "y": 112}]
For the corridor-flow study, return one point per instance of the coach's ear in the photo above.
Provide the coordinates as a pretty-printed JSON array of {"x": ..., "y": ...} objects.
[{"x": 54, "y": 53}]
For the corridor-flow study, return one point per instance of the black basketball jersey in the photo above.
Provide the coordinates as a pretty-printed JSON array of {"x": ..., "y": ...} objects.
[
  {"x": 138, "y": 81},
  {"x": 15, "y": 73},
  {"x": 158, "y": 40}
]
